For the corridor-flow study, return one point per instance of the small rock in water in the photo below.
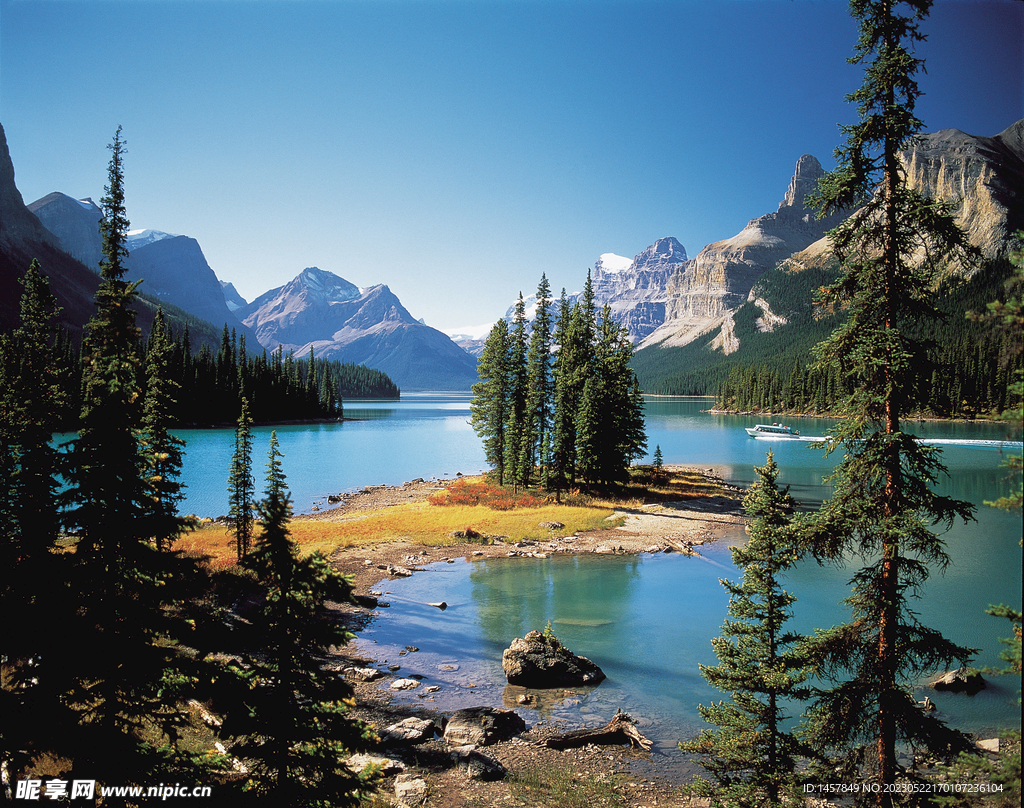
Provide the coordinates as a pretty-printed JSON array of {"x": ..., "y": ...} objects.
[{"x": 404, "y": 684}]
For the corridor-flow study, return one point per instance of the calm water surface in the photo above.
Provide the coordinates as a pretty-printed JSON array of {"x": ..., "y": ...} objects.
[{"x": 647, "y": 620}]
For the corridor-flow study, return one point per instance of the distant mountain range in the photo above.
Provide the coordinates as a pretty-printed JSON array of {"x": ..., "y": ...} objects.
[
  {"x": 321, "y": 311},
  {"x": 666, "y": 300},
  {"x": 750, "y": 296},
  {"x": 316, "y": 310}
]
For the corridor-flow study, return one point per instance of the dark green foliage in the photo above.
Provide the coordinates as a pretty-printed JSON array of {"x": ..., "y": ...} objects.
[
  {"x": 31, "y": 400},
  {"x": 609, "y": 422},
  {"x": 32, "y": 374},
  {"x": 884, "y": 504},
  {"x": 291, "y": 712},
  {"x": 583, "y": 416},
  {"x": 279, "y": 386},
  {"x": 569, "y": 356},
  {"x": 540, "y": 381},
  {"x": 1007, "y": 316},
  {"x": 519, "y": 437},
  {"x": 117, "y": 586},
  {"x": 241, "y": 485},
  {"x": 489, "y": 406},
  {"x": 162, "y": 451},
  {"x": 752, "y": 758}
]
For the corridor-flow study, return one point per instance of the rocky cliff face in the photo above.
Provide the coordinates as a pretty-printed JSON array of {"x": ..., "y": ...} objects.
[
  {"x": 17, "y": 223},
  {"x": 637, "y": 293},
  {"x": 23, "y": 238},
  {"x": 984, "y": 175},
  {"x": 322, "y": 311},
  {"x": 174, "y": 269},
  {"x": 718, "y": 280},
  {"x": 76, "y": 222}
]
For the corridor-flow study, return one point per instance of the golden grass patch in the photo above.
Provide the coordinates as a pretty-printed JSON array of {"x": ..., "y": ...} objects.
[{"x": 419, "y": 523}]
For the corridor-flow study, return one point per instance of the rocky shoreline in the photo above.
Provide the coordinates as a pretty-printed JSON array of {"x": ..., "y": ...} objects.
[{"x": 449, "y": 777}]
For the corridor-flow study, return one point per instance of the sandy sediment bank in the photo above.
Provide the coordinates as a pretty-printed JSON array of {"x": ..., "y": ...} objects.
[{"x": 681, "y": 526}]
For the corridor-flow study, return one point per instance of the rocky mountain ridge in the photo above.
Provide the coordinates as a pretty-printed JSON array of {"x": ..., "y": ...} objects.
[
  {"x": 982, "y": 175},
  {"x": 317, "y": 309},
  {"x": 321, "y": 311}
]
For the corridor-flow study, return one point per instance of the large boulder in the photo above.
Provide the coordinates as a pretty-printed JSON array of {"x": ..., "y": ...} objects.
[
  {"x": 480, "y": 726},
  {"x": 539, "y": 660}
]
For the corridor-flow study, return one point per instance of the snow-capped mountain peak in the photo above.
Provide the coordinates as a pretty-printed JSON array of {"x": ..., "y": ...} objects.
[
  {"x": 610, "y": 262},
  {"x": 140, "y": 238}
]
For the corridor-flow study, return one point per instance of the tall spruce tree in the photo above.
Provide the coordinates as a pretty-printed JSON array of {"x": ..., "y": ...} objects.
[
  {"x": 489, "y": 407},
  {"x": 540, "y": 382},
  {"x": 563, "y": 431},
  {"x": 751, "y": 756},
  {"x": 518, "y": 429},
  {"x": 624, "y": 434},
  {"x": 292, "y": 712},
  {"x": 121, "y": 690},
  {"x": 577, "y": 412},
  {"x": 241, "y": 484},
  {"x": 32, "y": 400},
  {"x": 884, "y": 503},
  {"x": 162, "y": 451}
]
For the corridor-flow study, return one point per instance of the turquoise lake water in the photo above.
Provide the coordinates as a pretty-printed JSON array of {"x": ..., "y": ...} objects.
[{"x": 647, "y": 620}]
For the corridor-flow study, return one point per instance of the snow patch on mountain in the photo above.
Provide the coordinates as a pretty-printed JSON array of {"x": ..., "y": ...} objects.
[
  {"x": 140, "y": 238},
  {"x": 610, "y": 262},
  {"x": 468, "y": 332}
]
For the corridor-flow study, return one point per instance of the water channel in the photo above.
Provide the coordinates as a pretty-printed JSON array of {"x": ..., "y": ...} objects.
[{"x": 648, "y": 619}]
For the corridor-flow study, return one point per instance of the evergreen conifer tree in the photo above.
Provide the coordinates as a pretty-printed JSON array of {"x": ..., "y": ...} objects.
[
  {"x": 293, "y": 713},
  {"x": 241, "y": 485},
  {"x": 751, "y": 756},
  {"x": 540, "y": 383},
  {"x": 489, "y": 407},
  {"x": 563, "y": 430},
  {"x": 120, "y": 697},
  {"x": 884, "y": 502},
  {"x": 161, "y": 449},
  {"x": 518, "y": 429},
  {"x": 32, "y": 400}
]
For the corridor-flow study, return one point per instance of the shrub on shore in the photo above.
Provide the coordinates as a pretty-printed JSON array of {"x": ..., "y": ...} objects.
[{"x": 465, "y": 491}]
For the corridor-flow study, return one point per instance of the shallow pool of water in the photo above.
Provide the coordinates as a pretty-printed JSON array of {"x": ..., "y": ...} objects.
[{"x": 647, "y": 620}]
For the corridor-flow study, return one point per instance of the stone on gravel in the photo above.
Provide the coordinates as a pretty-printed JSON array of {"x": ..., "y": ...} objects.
[
  {"x": 410, "y": 731},
  {"x": 477, "y": 765},
  {"x": 362, "y": 674},
  {"x": 404, "y": 684},
  {"x": 481, "y": 726},
  {"x": 410, "y": 789},
  {"x": 387, "y": 766}
]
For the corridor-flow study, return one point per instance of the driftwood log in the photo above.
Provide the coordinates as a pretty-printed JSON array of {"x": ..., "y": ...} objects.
[{"x": 620, "y": 729}]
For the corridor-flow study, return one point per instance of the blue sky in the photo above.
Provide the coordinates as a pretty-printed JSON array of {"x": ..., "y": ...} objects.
[{"x": 457, "y": 149}]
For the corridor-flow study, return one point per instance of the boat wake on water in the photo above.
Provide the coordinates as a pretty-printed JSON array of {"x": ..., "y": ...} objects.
[
  {"x": 780, "y": 432},
  {"x": 995, "y": 444}
]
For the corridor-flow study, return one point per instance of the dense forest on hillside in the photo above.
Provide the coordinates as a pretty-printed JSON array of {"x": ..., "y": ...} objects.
[
  {"x": 279, "y": 386},
  {"x": 971, "y": 366}
]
